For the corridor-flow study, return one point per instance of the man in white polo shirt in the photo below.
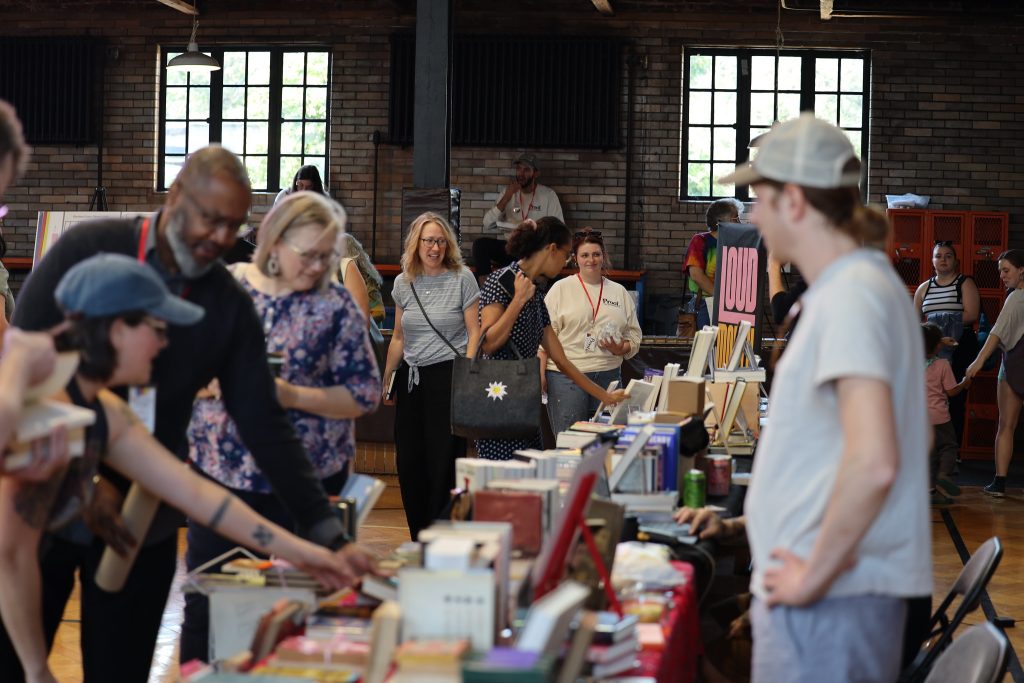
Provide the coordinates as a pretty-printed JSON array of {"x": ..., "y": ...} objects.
[
  {"x": 837, "y": 511},
  {"x": 523, "y": 198}
]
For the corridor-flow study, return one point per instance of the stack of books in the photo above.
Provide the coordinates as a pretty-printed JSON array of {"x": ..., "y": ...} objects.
[
  {"x": 430, "y": 661},
  {"x": 472, "y": 474},
  {"x": 615, "y": 645}
]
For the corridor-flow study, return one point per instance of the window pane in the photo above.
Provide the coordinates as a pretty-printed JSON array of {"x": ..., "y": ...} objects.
[
  {"x": 291, "y": 103},
  {"x": 725, "y": 73},
  {"x": 316, "y": 103},
  {"x": 789, "y": 106},
  {"x": 291, "y": 137},
  {"x": 762, "y": 109},
  {"x": 826, "y": 74},
  {"x": 754, "y": 132},
  {"x": 174, "y": 138},
  {"x": 289, "y": 167},
  {"x": 789, "y": 73},
  {"x": 700, "y": 107},
  {"x": 175, "y": 76},
  {"x": 316, "y": 71},
  {"x": 825, "y": 108},
  {"x": 233, "y": 137},
  {"x": 257, "y": 168},
  {"x": 256, "y": 138},
  {"x": 850, "y": 111},
  {"x": 719, "y": 190},
  {"x": 762, "y": 73},
  {"x": 198, "y": 135},
  {"x": 177, "y": 103},
  {"x": 199, "y": 77},
  {"x": 698, "y": 180},
  {"x": 853, "y": 75},
  {"x": 234, "y": 103},
  {"x": 199, "y": 103},
  {"x": 259, "y": 103},
  {"x": 234, "y": 68},
  {"x": 259, "y": 68},
  {"x": 294, "y": 68},
  {"x": 725, "y": 144},
  {"x": 698, "y": 145},
  {"x": 700, "y": 71},
  {"x": 172, "y": 166},
  {"x": 316, "y": 138},
  {"x": 856, "y": 137},
  {"x": 725, "y": 107}
]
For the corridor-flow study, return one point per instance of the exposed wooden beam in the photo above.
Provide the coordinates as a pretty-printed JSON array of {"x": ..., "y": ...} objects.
[
  {"x": 180, "y": 5},
  {"x": 603, "y": 6}
]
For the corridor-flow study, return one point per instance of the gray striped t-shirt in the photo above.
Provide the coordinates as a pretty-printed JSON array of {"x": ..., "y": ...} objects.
[{"x": 445, "y": 298}]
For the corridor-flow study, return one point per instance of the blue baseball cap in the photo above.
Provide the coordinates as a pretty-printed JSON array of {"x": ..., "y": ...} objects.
[{"x": 110, "y": 284}]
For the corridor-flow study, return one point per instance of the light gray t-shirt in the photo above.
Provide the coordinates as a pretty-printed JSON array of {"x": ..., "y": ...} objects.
[
  {"x": 445, "y": 298},
  {"x": 1009, "y": 325},
  {"x": 856, "y": 321}
]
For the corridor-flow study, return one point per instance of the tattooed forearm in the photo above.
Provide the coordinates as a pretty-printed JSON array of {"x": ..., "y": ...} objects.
[
  {"x": 218, "y": 514},
  {"x": 263, "y": 536},
  {"x": 32, "y": 502}
]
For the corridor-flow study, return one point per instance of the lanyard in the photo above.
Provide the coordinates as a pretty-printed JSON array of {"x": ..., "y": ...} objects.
[
  {"x": 526, "y": 209},
  {"x": 141, "y": 254},
  {"x": 593, "y": 309}
]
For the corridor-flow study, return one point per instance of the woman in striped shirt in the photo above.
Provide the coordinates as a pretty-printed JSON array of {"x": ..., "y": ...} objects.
[{"x": 950, "y": 299}]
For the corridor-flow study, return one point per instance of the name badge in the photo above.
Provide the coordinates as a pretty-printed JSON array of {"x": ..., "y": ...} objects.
[
  {"x": 589, "y": 343},
  {"x": 142, "y": 401}
]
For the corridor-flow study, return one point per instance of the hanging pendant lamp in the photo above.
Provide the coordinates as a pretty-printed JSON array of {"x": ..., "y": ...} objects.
[{"x": 192, "y": 59}]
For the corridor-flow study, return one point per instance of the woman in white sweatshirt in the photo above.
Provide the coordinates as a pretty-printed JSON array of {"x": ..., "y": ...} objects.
[{"x": 595, "y": 320}]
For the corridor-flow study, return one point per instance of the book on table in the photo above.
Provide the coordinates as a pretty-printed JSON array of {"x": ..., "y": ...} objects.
[{"x": 365, "y": 490}]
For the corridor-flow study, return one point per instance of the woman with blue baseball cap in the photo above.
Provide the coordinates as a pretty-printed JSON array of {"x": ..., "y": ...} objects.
[{"x": 119, "y": 311}]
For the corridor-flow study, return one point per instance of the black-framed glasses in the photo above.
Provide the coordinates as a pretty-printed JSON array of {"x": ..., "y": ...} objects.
[
  {"x": 434, "y": 241},
  {"x": 586, "y": 233},
  {"x": 310, "y": 257},
  {"x": 214, "y": 219},
  {"x": 943, "y": 243}
]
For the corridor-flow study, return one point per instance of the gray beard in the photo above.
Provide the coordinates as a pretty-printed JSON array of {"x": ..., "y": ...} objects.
[{"x": 187, "y": 264}]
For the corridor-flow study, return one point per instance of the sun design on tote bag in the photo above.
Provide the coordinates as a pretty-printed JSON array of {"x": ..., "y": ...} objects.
[{"x": 497, "y": 391}]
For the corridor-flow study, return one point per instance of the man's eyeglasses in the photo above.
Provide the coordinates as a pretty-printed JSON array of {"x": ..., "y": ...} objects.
[
  {"x": 943, "y": 243},
  {"x": 434, "y": 241},
  {"x": 212, "y": 218},
  {"x": 311, "y": 257},
  {"x": 586, "y": 233},
  {"x": 159, "y": 327}
]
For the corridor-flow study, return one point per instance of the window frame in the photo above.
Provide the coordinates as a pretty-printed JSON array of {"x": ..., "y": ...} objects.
[
  {"x": 742, "y": 125},
  {"x": 215, "y": 118}
]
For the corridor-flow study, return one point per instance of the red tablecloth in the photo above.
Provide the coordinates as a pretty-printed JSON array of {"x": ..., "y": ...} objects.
[{"x": 678, "y": 662}]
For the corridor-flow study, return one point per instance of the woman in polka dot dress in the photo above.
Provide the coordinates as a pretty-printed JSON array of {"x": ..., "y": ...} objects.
[{"x": 518, "y": 321}]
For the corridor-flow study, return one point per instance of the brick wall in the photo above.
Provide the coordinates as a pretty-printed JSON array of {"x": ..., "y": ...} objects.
[{"x": 947, "y": 114}]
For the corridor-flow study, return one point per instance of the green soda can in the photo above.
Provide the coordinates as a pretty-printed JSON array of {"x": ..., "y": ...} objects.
[{"x": 694, "y": 489}]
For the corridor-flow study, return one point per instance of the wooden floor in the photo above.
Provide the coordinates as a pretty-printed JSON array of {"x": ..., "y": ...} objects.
[{"x": 976, "y": 516}]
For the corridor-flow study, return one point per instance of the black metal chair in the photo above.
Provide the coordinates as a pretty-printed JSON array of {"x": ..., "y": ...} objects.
[
  {"x": 978, "y": 656},
  {"x": 969, "y": 585}
]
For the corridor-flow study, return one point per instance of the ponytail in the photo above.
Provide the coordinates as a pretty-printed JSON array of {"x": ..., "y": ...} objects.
[{"x": 531, "y": 236}]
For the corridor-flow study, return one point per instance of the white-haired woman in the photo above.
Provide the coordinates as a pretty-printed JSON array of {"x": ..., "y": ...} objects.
[
  {"x": 435, "y": 318},
  {"x": 328, "y": 376}
]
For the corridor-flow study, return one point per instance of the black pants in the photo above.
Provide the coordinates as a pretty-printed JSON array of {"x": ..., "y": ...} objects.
[
  {"x": 488, "y": 250},
  {"x": 425, "y": 447},
  {"x": 204, "y": 545},
  {"x": 119, "y": 630}
]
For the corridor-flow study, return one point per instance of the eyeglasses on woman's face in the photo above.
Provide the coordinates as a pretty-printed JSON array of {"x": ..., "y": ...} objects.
[
  {"x": 310, "y": 257},
  {"x": 434, "y": 241}
]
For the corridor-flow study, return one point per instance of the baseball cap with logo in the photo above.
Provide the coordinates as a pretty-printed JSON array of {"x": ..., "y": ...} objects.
[
  {"x": 528, "y": 159},
  {"x": 111, "y": 284},
  {"x": 806, "y": 151}
]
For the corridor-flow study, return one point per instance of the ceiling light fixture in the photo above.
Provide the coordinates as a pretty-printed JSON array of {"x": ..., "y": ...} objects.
[{"x": 192, "y": 59}]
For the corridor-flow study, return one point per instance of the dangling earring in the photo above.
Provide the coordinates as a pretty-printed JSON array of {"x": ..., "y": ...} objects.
[{"x": 273, "y": 266}]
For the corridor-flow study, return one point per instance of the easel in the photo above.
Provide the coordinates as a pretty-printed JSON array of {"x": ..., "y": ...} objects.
[{"x": 731, "y": 413}]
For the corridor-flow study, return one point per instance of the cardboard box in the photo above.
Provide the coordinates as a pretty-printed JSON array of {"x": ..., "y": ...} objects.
[{"x": 686, "y": 395}]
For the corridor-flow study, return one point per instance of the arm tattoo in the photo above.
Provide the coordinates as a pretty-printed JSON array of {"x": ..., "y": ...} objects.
[
  {"x": 263, "y": 536},
  {"x": 32, "y": 502},
  {"x": 218, "y": 514}
]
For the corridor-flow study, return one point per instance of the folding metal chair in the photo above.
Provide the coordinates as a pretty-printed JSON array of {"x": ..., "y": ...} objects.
[{"x": 978, "y": 656}]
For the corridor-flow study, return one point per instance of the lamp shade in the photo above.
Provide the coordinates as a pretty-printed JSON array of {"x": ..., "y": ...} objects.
[{"x": 193, "y": 60}]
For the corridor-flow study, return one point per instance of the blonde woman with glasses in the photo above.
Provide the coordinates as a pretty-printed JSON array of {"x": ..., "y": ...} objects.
[
  {"x": 435, "y": 319},
  {"x": 327, "y": 374}
]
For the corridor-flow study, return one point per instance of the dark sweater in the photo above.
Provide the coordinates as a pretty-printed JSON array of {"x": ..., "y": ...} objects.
[{"x": 228, "y": 344}]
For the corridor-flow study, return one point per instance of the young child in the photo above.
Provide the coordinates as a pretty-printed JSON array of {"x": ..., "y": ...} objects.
[{"x": 940, "y": 385}]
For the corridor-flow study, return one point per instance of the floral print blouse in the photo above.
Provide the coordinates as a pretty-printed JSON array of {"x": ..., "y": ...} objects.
[{"x": 322, "y": 336}]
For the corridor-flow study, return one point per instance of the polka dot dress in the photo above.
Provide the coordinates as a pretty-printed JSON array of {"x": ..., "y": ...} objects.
[{"x": 526, "y": 334}]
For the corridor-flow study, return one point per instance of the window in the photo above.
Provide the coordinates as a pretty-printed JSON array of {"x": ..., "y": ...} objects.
[
  {"x": 267, "y": 105},
  {"x": 732, "y": 96}
]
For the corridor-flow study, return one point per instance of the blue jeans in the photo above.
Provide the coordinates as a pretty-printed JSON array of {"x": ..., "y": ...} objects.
[{"x": 568, "y": 403}]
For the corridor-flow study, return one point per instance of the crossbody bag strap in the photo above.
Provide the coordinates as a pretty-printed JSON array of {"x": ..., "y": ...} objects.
[{"x": 427, "y": 318}]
